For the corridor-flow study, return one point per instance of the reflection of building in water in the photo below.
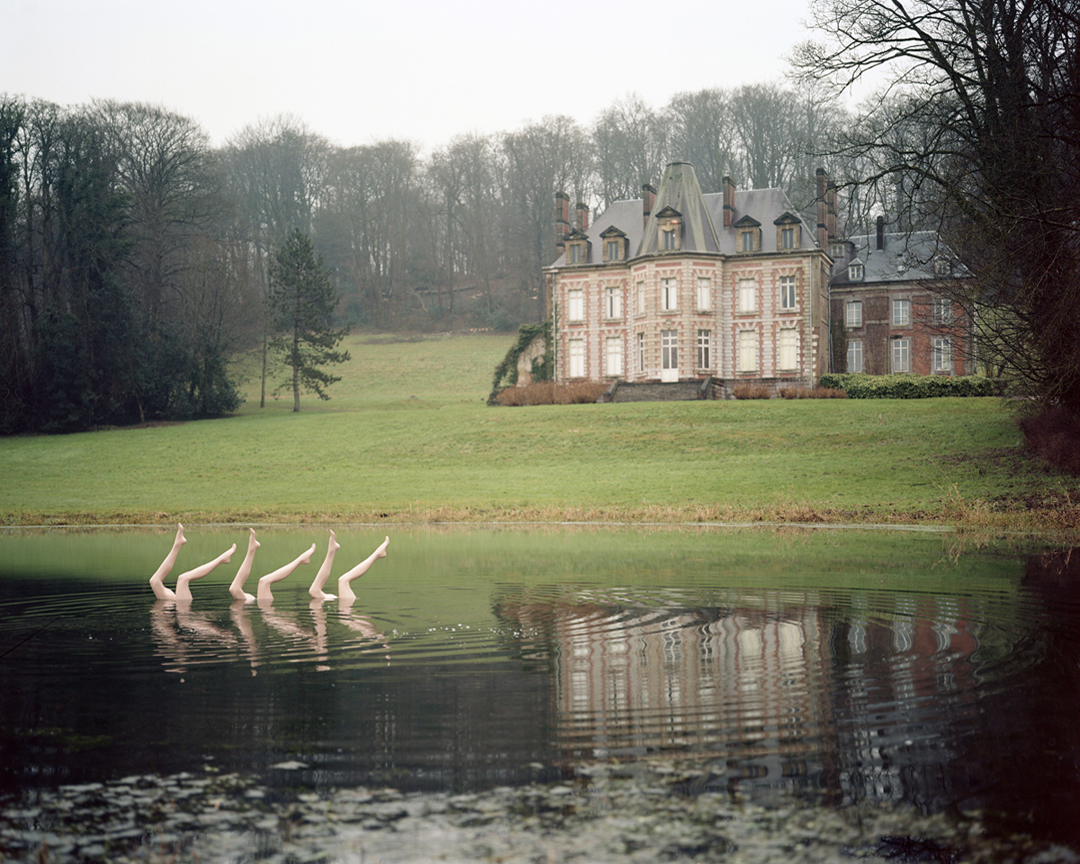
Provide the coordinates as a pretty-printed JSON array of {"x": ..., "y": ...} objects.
[
  {"x": 789, "y": 693},
  {"x": 905, "y": 677}
]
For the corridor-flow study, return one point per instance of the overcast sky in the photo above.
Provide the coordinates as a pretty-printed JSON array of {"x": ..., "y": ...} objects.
[{"x": 358, "y": 72}]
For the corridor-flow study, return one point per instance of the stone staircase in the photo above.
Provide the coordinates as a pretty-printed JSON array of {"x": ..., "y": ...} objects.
[{"x": 655, "y": 391}]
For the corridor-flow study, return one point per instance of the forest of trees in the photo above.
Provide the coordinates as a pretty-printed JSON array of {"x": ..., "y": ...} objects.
[{"x": 134, "y": 255}]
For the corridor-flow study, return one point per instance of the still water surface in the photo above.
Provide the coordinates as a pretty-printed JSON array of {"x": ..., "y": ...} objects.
[{"x": 857, "y": 666}]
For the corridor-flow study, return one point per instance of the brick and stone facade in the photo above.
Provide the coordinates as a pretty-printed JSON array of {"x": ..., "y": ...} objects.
[
  {"x": 681, "y": 285},
  {"x": 888, "y": 310}
]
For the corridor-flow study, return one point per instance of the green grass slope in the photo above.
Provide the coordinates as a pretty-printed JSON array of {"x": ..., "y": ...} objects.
[{"x": 407, "y": 437}]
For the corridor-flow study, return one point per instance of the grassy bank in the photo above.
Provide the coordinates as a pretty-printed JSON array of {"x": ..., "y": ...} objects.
[{"x": 407, "y": 437}]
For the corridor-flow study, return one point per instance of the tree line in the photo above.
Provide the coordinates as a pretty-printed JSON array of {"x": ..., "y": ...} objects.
[{"x": 135, "y": 257}]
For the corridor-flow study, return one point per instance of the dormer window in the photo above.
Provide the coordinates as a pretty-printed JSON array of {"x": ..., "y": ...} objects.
[
  {"x": 748, "y": 234},
  {"x": 855, "y": 271},
  {"x": 838, "y": 251},
  {"x": 788, "y": 232},
  {"x": 942, "y": 267},
  {"x": 614, "y": 245},
  {"x": 669, "y": 226},
  {"x": 577, "y": 247}
]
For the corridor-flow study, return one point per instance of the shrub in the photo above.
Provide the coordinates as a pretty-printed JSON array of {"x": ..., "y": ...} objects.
[
  {"x": 547, "y": 393},
  {"x": 907, "y": 386},
  {"x": 751, "y": 391},
  {"x": 1053, "y": 434}
]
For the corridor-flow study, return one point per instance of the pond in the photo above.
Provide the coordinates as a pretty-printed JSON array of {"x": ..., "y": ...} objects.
[{"x": 843, "y": 668}]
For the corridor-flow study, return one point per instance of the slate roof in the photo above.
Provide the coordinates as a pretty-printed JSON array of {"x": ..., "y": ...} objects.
[
  {"x": 702, "y": 217},
  {"x": 904, "y": 258}
]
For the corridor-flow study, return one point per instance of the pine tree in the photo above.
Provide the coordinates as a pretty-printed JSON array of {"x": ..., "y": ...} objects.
[{"x": 302, "y": 301}]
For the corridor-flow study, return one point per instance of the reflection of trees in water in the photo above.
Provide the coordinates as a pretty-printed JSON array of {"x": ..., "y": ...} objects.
[
  {"x": 851, "y": 695},
  {"x": 186, "y": 638}
]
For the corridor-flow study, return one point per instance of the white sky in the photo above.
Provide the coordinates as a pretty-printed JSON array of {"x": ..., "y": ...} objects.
[{"x": 358, "y": 72}]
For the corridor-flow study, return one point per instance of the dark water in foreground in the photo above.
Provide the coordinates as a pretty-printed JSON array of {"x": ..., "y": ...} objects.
[{"x": 851, "y": 665}]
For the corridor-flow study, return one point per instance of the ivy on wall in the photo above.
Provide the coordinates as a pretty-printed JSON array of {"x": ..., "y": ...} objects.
[{"x": 543, "y": 368}]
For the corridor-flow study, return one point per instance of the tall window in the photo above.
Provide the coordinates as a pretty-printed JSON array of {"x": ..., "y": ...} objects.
[
  {"x": 704, "y": 293},
  {"x": 704, "y": 344},
  {"x": 787, "y": 292},
  {"x": 669, "y": 294},
  {"x": 747, "y": 351},
  {"x": 789, "y": 348},
  {"x": 901, "y": 313},
  {"x": 641, "y": 352},
  {"x": 942, "y": 360},
  {"x": 901, "y": 355},
  {"x": 613, "y": 250},
  {"x": 787, "y": 238},
  {"x": 943, "y": 310},
  {"x": 854, "y": 356},
  {"x": 575, "y": 305},
  {"x": 669, "y": 349},
  {"x": 640, "y": 298},
  {"x": 577, "y": 358},
  {"x": 575, "y": 253},
  {"x": 613, "y": 365},
  {"x": 613, "y": 303},
  {"x": 747, "y": 295},
  {"x": 668, "y": 238},
  {"x": 853, "y": 314},
  {"x": 747, "y": 241}
]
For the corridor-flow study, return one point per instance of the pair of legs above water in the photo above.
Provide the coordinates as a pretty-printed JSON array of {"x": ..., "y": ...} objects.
[{"x": 184, "y": 580}]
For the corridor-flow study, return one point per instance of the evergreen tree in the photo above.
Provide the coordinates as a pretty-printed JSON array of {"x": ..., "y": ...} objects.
[{"x": 302, "y": 301}]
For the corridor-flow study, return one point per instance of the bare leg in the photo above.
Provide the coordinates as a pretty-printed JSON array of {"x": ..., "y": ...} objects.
[
  {"x": 236, "y": 589},
  {"x": 183, "y": 592},
  {"x": 160, "y": 591},
  {"x": 315, "y": 590},
  {"x": 344, "y": 590},
  {"x": 279, "y": 574}
]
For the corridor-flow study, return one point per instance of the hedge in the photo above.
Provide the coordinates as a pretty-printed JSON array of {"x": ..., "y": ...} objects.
[{"x": 906, "y": 386}]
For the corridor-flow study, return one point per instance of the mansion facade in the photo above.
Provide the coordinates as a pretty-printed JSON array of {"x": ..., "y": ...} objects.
[
  {"x": 889, "y": 313},
  {"x": 736, "y": 288},
  {"x": 682, "y": 285}
]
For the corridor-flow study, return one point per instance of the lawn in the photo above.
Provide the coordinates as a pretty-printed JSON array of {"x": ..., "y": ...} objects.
[{"x": 407, "y": 436}]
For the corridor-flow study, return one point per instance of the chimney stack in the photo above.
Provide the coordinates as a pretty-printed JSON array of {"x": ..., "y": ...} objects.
[
  {"x": 729, "y": 201},
  {"x": 582, "y": 216},
  {"x": 831, "y": 211},
  {"x": 562, "y": 217},
  {"x": 648, "y": 199},
  {"x": 822, "y": 209},
  {"x": 880, "y": 233}
]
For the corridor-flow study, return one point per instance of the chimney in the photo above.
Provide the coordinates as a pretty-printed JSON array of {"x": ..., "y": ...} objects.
[
  {"x": 582, "y": 216},
  {"x": 830, "y": 211},
  {"x": 648, "y": 199},
  {"x": 562, "y": 217},
  {"x": 822, "y": 209},
  {"x": 880, "y": 233},
  {"x": 728, "y": 190}
]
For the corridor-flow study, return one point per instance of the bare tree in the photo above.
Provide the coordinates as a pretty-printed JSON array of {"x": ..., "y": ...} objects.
[
  {"x": 980, "y": 121},
  {"x": 701, "y": 131},
  {"x": 630, "y": 148},
  {"x": 541, "y": 159}
]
